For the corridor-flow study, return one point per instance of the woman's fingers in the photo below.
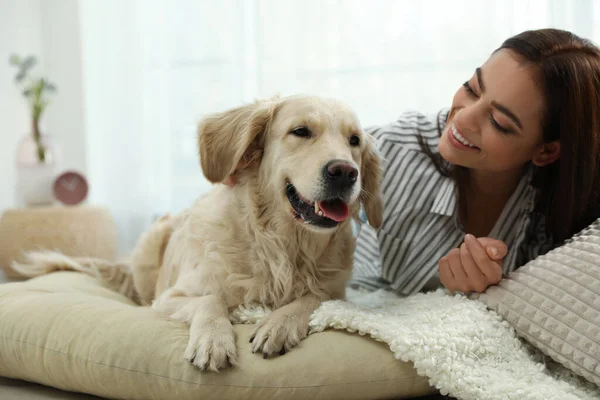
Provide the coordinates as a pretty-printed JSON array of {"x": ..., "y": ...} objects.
[
  {"x": 488, "y": 267},
  {"x": 476, "y": 280},
  {"x": 496, "y": 249},
  {"x": 471, "y": 268},
  {"x": 460, "y": 277},
  {"x": 446, "y": 277}
]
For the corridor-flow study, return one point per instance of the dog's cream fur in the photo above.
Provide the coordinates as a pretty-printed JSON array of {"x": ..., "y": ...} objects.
[{"x": 241, "y": 244}]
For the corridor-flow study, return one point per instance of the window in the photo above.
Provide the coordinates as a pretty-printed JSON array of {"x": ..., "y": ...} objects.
[{"x": 153, "y": 68}]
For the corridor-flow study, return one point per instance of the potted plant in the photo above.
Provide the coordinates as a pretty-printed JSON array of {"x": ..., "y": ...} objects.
[{"x": 36, "y": 155}]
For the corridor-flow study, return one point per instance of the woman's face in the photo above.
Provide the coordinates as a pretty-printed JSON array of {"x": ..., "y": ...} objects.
[{"x": 496, "y": 117}]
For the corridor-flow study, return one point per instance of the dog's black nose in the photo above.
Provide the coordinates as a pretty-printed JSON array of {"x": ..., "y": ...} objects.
[{"x": 341, "y": 173}]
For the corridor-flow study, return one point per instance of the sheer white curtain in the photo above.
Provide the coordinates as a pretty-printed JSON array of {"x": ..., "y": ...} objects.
[{"x": 152, "y": 68}]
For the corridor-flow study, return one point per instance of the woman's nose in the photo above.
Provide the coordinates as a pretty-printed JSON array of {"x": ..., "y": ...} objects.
[{"x": 468, "y": 119}]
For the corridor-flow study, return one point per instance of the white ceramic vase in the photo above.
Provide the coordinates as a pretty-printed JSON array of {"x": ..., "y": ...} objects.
[{"x": 35, "y": 177}]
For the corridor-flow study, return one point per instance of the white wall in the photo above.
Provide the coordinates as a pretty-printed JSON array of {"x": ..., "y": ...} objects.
[
  {"x": 49, "y": 30},
  {"x": 61, "y": 43}
]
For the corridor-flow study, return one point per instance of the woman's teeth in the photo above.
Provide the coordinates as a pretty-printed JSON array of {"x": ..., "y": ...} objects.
[{"x": 461, "y": 138}]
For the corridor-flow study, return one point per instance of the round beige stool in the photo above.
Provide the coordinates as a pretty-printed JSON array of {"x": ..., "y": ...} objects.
[{"x": 75, "y": 231}]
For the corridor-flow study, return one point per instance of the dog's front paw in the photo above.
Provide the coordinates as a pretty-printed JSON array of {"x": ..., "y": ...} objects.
[
  {"x": 278, "y": 333},
  {"x": 212, "y": 346}
]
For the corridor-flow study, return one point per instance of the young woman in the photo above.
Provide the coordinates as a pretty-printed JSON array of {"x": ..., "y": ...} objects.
[{"x": 510, "y": 171}]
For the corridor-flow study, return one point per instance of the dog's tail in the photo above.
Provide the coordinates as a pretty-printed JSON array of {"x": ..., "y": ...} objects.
[{"x": 116, "y": 276}]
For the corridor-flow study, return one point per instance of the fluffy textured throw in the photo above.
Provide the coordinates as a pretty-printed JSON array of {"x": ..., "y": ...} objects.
[{"x": 466, "y": 350}]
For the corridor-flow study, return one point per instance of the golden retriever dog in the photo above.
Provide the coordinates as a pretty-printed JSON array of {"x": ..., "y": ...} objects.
[{"x": 280, "y": 237}]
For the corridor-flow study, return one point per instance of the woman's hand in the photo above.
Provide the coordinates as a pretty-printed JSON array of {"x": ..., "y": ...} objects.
[{"x": 474, "y": 267}]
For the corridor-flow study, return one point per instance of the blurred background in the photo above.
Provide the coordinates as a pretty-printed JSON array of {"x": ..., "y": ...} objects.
[{"x": 134, "y": 76}]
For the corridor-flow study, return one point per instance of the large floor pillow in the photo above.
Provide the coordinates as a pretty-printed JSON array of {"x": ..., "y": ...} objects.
[
  {"x": 67, "y": 331},
  {"x": 554, "y": 303}
]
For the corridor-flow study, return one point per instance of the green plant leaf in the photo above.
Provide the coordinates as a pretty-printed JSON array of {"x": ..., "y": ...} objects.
[
  {"x": 14, "y": 59},
  {"x": 50, "y": 86},
  {"x": 38, "y": 87},
  {"x": 35, "y": 87},
  {"x": 29, "y": 62},
  {"x": 20, "y": 76}
]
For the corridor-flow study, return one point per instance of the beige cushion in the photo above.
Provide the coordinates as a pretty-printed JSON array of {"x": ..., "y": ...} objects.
[
  {"x": 67, "y": 331},
  {"x": 554, "y": 303},
  {"x": 85, "y": 231}
]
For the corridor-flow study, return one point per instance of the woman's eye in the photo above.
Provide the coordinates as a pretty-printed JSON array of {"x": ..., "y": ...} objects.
[
  {"x": 469, "y": 89},
  {"x": 354, "y": 140},
  {"x": 497, "y": 126},
  {"x": 301, "y": 131}
]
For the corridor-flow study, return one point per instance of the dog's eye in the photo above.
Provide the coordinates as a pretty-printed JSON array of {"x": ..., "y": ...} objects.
[
  {"x": 354, "y": 140},
  {"x": 301, "y": 131}
]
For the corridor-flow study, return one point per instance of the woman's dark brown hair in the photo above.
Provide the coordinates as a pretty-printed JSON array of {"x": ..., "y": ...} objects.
[{"x": 568, "y": 72}]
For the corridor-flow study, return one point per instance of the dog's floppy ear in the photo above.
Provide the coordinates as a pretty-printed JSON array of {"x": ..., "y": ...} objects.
[
  {"x": 227, "y": 138},
  {"x": 370, "y": 196}
]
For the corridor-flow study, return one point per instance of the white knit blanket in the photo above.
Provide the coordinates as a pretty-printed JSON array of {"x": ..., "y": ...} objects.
[{"x": 466, "y": 350}]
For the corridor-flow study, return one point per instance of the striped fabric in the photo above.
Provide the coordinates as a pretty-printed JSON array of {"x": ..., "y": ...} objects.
[{"x": 420, "y": 223}]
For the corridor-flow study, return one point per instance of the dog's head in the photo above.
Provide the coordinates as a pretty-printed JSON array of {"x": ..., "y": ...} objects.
[{"x": 310, "y": 154}]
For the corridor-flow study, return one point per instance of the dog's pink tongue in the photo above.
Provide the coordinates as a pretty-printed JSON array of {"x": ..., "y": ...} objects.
[{"x": 336, "y": 210}]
